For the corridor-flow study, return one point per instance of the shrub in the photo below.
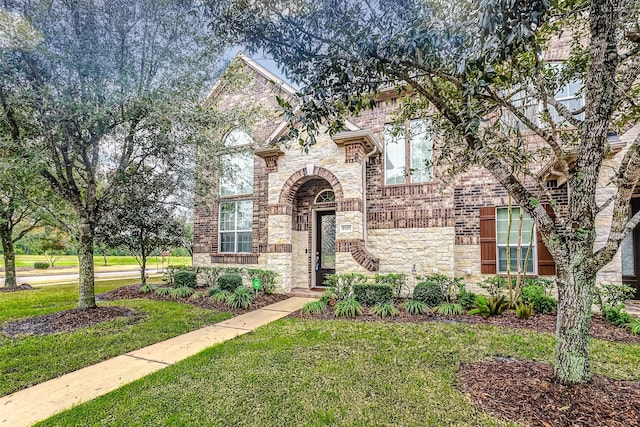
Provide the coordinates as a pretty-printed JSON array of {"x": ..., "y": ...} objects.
[
  {"x": 198, "y": 295},
  {"x": 372, "y": 294},
  {"x": 211, "y": 275},
  {"x": 383, "y": 310},
  {"x": 185, "y": 279},
  {"x": 397, "y": 281},
  {"x": 616, "y": 316},
  {"x": 535, "y": 294},
  {"x": 181, "y": 292},
  {"x": 428, "y": 293},
  {"x": 611, "y": 295},
  {"x": 221, "y": 296},
  {"x": 492, "y": 306},
  {"x": 213, "y": 290},
  {"x": 163, "y": 292},
  {"x": 524, "y": 311},
  {"x": 634, "y": 326},
  {"x": 467, "y": 300},
  {"x": 329, "y": 297},
  {"x": 146, "y": 288},
  {"x": 546, "y": 284},
  {"x": 314, "y": 307},
  {"x": 494, "y": 285},
  {"x": 348, "y": 307},
  {"x": 229, "y": 282},
  {"x": 342, "y": 284},
  {"x": 41, "y": 265},
  {"x": 241, "y": 298},
  {"x": 267, "y": 277},
  {"x": 415, "y": 307},
  {"x": 450, "y": 309}
]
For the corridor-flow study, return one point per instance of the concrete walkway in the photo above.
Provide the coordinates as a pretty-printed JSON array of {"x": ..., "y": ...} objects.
[{"x": 26, "y": 407}]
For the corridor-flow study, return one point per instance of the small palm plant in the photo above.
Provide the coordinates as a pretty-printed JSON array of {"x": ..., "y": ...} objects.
[
  {"x": 415, "y": 307},
  {"x": 384, "y": 310},
  {"x": 348, "y": 307}
]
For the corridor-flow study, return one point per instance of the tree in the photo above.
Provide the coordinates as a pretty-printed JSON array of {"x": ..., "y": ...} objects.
[
  {"x": 113, "y": 88},
  {"x": 144, "y": 219},
  {"x": 53, "y": 244},
  {"x": 469, "y": 71}
]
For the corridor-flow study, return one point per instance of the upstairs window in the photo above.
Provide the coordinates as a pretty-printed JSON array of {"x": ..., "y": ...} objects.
[
  {"x": 237, "y": 167},
  {"x": 408, "y": 153}
]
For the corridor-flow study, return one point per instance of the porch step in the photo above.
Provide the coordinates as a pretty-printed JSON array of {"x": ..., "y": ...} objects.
[{"x": 306, "y": 292}]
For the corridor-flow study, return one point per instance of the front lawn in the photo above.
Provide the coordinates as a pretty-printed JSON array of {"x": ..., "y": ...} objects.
[
  {"x": 72, "y": 260},
  {"x": 314, "y": 372},
  {"x": 28, "y": 360}
]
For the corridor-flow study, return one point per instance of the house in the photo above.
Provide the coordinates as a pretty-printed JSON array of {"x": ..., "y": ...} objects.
[{"x": 348, "y": 206}]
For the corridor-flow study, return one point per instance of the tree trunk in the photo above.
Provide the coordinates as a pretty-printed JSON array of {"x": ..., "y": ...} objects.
[
  {"x": 87, "y": 295},
  {"x": 143, "y": 269},
  {"x": 9, "y": 256},
  {"x": 575, "y": 297}
]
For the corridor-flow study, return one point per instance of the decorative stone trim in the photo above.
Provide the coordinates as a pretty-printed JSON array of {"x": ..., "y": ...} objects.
[
  {"x": 280, "y": 209},
  {"x": 349, "y": 205},
  {"x": 295, "y": 181},
  {"x": 234, "y": 259},
  {"x": 276, "y": 248},
  {"x": 270, "y": 156},
  {"x": 359, "y": 252},
  {"x": 353, "y": 153}
]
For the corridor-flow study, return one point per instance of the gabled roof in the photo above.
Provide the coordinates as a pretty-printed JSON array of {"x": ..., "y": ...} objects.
[{"x": 276, "y": 82}]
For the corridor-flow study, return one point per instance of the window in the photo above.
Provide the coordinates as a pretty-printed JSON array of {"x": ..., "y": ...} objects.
[
  {"x": 326, "y": 196},
  {"x": 236, "y": 222},
  {"x": 507, "y": 239},
  {"x": 237, "y": 173},
  {"x": 569, "y": 96},
  {"x": 408, "y": 153},
  {"x": 236, "y": 183}
]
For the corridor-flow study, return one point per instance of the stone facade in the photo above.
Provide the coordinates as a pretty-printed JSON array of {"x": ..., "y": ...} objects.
[{"x": 417, "y": 229}]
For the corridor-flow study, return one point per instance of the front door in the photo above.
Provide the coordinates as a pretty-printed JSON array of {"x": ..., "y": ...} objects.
[
  {"x": 630, "y": 250},
  {"x": 325, "y": 250}
]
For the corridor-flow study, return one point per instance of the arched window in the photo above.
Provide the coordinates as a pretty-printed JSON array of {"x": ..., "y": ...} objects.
[
  {"x": 326, "y": 196},
  {"x": 236, "y": 188}
]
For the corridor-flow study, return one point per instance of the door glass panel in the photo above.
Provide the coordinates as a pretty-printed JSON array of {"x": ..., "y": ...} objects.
[
  {"x": 628, "y": 268},
  {"x": 328, "y": 242}
]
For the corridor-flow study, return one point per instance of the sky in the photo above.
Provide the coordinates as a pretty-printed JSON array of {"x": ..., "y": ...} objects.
[{"x": 262, "y": 59}]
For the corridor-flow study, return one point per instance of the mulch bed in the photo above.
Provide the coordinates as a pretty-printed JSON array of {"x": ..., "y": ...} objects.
[
  {"x": 65, "y": 321},
  {"x": 538, "y": 322},
  {"x": 524, "y": 391},
  {"x": 133, "y": 292},
  {"x": 23, "y": 287}
]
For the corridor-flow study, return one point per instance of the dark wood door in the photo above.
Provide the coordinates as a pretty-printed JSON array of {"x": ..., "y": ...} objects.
[
  {"x": 631, "y": 255},
  {"x": 325, "y": 250}
]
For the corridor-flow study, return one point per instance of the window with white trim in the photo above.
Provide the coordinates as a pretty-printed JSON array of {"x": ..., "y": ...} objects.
[
  {"x": 326, "y": 196},
  {"x": 514, "y": 239},
  {"x": 408, "y": 153},
  {"x": 236, "y": 185},
  {"x": 236, "y": 223}
]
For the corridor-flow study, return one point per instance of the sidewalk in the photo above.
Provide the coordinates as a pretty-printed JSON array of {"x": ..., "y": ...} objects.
[{"x": 25, "y": 407}]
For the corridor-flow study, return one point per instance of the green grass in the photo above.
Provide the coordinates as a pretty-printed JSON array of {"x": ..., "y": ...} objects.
[
  {"x": 50, "y": 298},
  {"x": 72, "y": 260},
  {"x": 29, "y": 360},
  {"x": 307, "y": 372}
]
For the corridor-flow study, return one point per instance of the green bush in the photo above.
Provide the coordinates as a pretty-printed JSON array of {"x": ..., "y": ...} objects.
[
  {"x": 492, "y": 306},
  {"x": 314, "y": 307},
  {"x": 342, "y": 284},
  {"x": 198, "y": 295},
  {"x": 429, "y": 293},
  {"x": 467, "y": 300},
  {"x": 181, "y": 292},
  {"x": 145, "y": 289},
  {"x": 634, "y": 326},
  {"x": 184, "y": 278},
  {"x": 163, "y": 292},
  {"x": 384, "y": 310},
  {"x": 220, "y": 296},
  {"x": 494, "y": 285},
  {"x": 371, "y": 294},
  {"x": 616, "y": 316},
  {"x": 450, "y": 309},
  {"x": 611, "y": 294},
  {"x": 329, "y": 297},
  {"x": 229, "y": 282},
  {"x": 241, "y": 298},
  {"x": 536, "y": 295},
  {"x": 524, "y": 311},
  {"x": 347, "y": 308},
  {"x": 41, "y": 265},
  {"x": 415, "y": 307},
  {"x": 267, "y": 277},
  {"x": 397, "y": 281},
  {"x": 210, "y": 275}
]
